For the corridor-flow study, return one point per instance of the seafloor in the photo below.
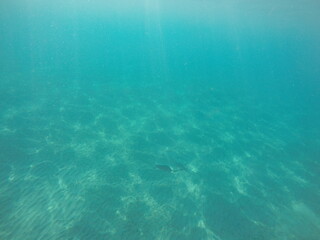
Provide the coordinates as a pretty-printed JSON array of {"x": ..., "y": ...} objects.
[{"x": 78, "y": 161}]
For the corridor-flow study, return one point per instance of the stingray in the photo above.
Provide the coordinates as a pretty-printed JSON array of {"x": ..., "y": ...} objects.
[
  {"x": 164, "y": 168},
  {"x": 167, "y": 168}
]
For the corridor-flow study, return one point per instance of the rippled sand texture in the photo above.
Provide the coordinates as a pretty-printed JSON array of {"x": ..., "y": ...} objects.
[{"x": 80, "y": 164}]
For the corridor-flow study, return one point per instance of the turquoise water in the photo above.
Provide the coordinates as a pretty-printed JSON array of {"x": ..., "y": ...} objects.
[{"x": 159, "y": 120}]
